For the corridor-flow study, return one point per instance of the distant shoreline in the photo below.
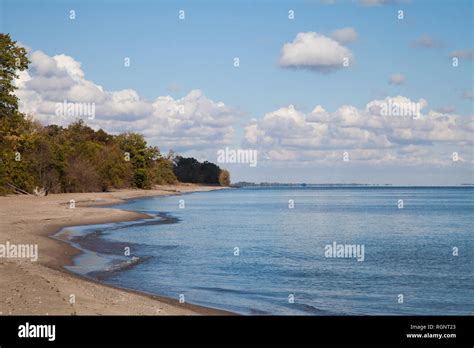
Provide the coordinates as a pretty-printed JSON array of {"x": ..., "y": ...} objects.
[
  {"x": 266, "y": 185},
  {"x": 50, "y": 287}
]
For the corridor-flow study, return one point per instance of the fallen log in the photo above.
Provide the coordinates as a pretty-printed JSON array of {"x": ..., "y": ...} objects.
[{"x": 16, "y": 189}]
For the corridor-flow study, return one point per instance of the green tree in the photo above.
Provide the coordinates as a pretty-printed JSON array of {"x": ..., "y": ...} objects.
[
  {"x": 114, "y": 170},
  {"x": 187, "y": 169},
  {"x": 13, "y": 59},
  {"x": 193, "y": 171},
  {"x": 134, "y": 145},
  {"x": 13, "y": 140}
]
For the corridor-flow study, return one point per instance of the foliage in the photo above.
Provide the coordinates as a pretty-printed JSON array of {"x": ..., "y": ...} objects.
[
  {"x": 192, "y": 171},
  {"x": 12, "y": 60},
  {"x": 79, "y": 159},
  {"x": 76, "y": 158},
  {"x": 224, "y": 178}
]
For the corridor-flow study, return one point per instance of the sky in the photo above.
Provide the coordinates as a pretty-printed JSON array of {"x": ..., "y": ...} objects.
[{"x": 310, "y": 89}]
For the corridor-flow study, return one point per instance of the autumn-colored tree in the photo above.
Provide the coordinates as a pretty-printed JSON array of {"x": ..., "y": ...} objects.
[{"x": 224, "y": 178}]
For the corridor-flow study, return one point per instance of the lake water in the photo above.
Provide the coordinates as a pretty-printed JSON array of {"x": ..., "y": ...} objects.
[{"x": 246, "y": 251}]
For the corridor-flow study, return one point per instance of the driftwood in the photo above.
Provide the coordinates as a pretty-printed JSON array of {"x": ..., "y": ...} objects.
[
  {"x": 16, "y": 189},
  {"x": 40, "y": 191}
]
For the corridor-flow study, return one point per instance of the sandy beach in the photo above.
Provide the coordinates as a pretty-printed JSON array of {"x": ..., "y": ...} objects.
[{"x": 44, "y": 287}]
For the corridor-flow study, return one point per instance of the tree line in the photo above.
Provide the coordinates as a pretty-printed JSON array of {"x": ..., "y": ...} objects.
[{"x": 78, "y": 158}]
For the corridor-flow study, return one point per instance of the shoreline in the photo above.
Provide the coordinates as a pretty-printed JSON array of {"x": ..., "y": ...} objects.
[{"x": 50, "y": 284}]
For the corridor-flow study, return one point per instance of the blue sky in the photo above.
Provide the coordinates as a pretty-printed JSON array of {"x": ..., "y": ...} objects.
[{"x": 197, "y": 54}]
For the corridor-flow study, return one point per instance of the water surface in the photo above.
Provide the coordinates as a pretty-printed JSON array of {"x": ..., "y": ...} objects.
[{"x": 192, "y": 250}]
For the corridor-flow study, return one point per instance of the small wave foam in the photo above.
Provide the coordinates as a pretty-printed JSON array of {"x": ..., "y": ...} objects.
[
  {"x": 116, "y": 266},
  {"x": 124, "y": 264}
]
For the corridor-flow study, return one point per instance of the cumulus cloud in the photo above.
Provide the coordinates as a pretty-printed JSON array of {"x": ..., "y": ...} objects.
[
  {"x": 315, "y": 52},
  {"x": 396, "y": 79},
  {"x": 344, "y": 35},
  {"x": 191, "y": 121},
  {"x": 370, "y": 134}
]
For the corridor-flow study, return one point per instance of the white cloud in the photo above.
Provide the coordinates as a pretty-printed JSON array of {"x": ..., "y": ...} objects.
[
  {"x": 368, "y": 135},
  {"x": 344, "y": 35},
  {"x": 193, "y": 121},
  {"x": 196, "y": 122},
  {"x": 315, "y": 52},
  {"x": 396, "y": 79}
]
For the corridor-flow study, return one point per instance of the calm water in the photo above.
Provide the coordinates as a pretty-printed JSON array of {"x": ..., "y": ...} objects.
[{"x": 191, "y": 251}]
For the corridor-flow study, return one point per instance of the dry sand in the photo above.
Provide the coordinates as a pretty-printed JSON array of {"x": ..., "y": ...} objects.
[{"x": 45, "y": 287}]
